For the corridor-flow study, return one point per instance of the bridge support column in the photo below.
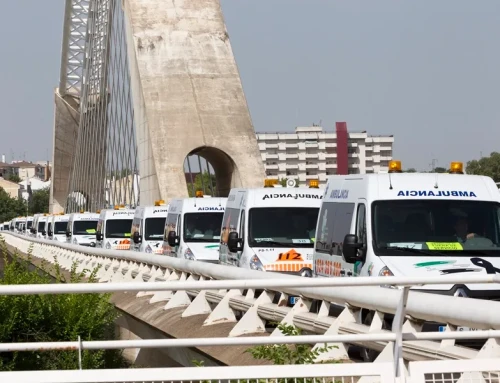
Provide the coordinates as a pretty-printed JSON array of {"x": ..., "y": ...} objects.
[
  {"x": 188, "y": 97},
  {"x": 66, "y": 119}
]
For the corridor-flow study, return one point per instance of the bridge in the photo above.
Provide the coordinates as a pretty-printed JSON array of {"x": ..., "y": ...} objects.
[
  {"x": 148, "y": 90},
  {"x": 174, "y": 311}
]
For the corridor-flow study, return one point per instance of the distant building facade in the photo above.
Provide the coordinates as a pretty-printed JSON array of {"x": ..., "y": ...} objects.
[
  {"x": 25, "y": 170},
  {"x": 11, "y": 188},
  {"x": 312, "y": 153}
]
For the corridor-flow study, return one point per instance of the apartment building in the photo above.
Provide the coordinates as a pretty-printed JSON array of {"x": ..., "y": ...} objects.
[{"x": 313, "y": 153}]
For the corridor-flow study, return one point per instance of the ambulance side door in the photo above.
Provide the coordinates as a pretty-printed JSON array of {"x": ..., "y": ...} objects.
[
  {"x": 360, "y": 231},
  {"x": 342, "y": 226}
]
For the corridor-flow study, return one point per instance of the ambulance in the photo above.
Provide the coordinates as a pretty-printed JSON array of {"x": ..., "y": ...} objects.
[
  {"x": 192, "y": 228},
  {"x": 81, "y": 228},
  {"x": 411, "y": 225},
  {"x": 56, "y": 229},
  {"x": 148, "y": 228},
  {"x": 33, "y": 225},
  {"x": 39, "y": 226},
  {"x": 113, "y": 229},
  {"x": 271, "y": 228},
  {"x": 16, "y": 224},
  {"x": 29, "y": 224}
]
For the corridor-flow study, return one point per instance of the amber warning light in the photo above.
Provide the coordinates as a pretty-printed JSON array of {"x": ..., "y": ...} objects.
[
  {"x": 395, "y": 167},
  {"x": 457, "y": 168},
  {"x": 314, "y": 184},
  {"x": 270, "y": 183}
]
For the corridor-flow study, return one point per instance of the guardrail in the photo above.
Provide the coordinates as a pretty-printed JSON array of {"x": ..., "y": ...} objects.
[
  {"x": 215, "y": 290},
  {"x": 485, "y": 370},
  {"x": 383, "y": 372}
]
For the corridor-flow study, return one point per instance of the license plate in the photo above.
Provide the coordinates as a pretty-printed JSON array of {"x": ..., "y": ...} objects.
[
  {"x": 460, "y": 328},
  {"x": 293, "y": 300}
]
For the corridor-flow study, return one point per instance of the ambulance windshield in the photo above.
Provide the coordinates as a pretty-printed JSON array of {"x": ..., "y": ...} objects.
[
  {"x": 60, "y": 227},
  {"x": 202, "y": 227},
  {"x": 41, "y": 226},
  {"x": 436, "y": 225},
  {"x": 118, "y": 228},
  {"x": 283, "y": 226},
  {"x": 86, "y": 227},
  {"x": 154, "y": 228}
]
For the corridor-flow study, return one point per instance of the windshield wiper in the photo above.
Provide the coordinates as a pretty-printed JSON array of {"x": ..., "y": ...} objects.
[
  {"x": 411, "y": 250},
  {"x": 272, "y": 243}
]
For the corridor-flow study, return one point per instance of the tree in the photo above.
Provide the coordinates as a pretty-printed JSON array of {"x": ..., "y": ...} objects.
[
  {"x": 486, "y": 166},
  {"x": 204, "y": 182},
  {"x": 440, "y": 170},
  {"x": 14, "y": 178},
  {"x": 40, "y": 201},
  {"x": 410, "y": 170},
  {"x": 282, "y": 182},
  {"x": 10, "y": 207}
]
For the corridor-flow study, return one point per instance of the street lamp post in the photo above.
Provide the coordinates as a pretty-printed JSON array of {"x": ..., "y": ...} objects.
[{"x": 27, "y": 200}]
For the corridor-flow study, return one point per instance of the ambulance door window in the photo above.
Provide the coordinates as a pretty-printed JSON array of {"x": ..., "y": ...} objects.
[
  {"x": 361, "y": 224},
  {"x": 361, "y": 229},
  {"x": 179, "y": 227},
  {"x": 242, "y": 228}
]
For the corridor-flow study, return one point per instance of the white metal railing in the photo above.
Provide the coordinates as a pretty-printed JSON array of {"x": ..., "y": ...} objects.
[
  {"x": 222, "y": 293},
  {"x": 383, "y": 372},
  {"x": 484, "y": 371}
]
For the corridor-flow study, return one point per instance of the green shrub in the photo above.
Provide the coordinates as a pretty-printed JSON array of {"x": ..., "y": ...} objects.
[
  {"x": 289, "y": 354},
  {"x": 52, "y": 318},
  {"x": 283, "y": 354}
]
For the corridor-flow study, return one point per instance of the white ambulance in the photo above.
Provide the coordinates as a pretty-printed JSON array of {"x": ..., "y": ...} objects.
[
  {"x": 81, "y": 228},
  {"x": 56, "y": 229},
  {"x": 192, "y": 228},
  {"x": 16, "y": 223},
  {"x": 271, "y": 228},
  {"x": 148, "y": 228},
  {"x": 411, "y": 224},
  {"x": 113, "y": 229},
  {"x": 39, "y": 226},
  {"x": 29, "y": 224}
]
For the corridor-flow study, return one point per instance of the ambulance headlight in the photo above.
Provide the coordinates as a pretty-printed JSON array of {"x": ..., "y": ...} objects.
[
  {"x": 75, "y": 242},
  {"x": 108, "y": 245},
  {"x": 148, "y": 250},
  {"x": 256, "y": 264},
  {"x": 385, "y": 272},
  {"x": 188, "y": 254},
  {"x": 92, "y": 244}
]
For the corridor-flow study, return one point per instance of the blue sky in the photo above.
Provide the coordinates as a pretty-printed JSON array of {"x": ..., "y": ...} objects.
[{"x": 426, "y": 71}]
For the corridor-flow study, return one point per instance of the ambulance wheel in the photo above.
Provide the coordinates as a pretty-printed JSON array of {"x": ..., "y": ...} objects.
[{"x": 367, "y": 354}]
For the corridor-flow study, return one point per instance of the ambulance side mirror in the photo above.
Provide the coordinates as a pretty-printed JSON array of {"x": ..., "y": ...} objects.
[
  {"x": 98, "y": 236},
  {"x": 350, "y": 248},
  {"x": 68, "y": 234},
  {"x": 172, "y": 239},
  {"x": 233, "y": 242},
  {"x": 137, "y": 238}
]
